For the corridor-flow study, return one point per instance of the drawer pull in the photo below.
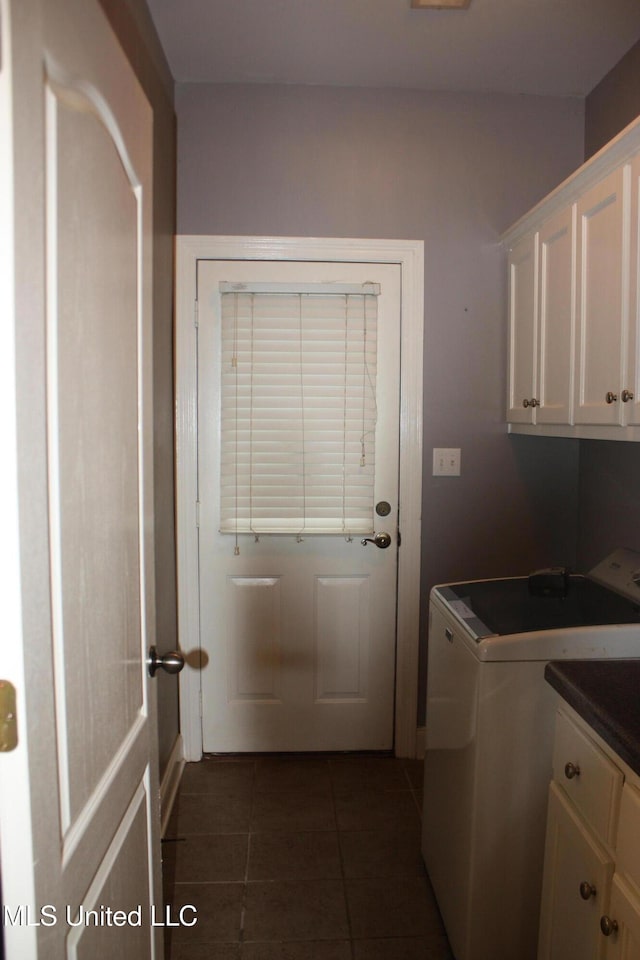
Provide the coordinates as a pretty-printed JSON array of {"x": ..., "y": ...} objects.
[
  {"x": 587, "y": 890},
  {"x": 571, "y": 770},
  {"x": 608, "y": 926}
]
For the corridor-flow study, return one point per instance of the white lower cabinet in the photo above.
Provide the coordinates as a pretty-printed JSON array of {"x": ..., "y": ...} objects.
[
  {"x": 591, "y": 887},
  {"x": 577, "y": 881},
  {"x": 622, "y": 923}
]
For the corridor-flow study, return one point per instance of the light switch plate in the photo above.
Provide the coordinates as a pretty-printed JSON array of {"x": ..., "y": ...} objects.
[{"x": 446, "y": 461}]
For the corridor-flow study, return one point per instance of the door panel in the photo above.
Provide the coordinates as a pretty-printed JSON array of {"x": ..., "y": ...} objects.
[
  {"x": 523, "y": 332},
  {"x": 557, "y": 321},
  {"x": 342, "y": 637},
  {"x": 299, "y": 631},
  {"x": 85, "y": 454},
  {"x": 602, "y": 299}
]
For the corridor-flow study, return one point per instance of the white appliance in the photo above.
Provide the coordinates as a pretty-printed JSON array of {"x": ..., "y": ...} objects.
[{"x": 490, "y": 717}]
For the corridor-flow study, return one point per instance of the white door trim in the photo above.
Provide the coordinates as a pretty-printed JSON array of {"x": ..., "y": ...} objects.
[{"x": 409, "y": 254}]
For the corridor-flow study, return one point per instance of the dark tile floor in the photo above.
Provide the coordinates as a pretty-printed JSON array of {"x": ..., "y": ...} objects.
[{"x": 301, "y": 858}]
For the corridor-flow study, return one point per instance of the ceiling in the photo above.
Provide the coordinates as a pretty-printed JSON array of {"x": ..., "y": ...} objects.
[{"x": 546, "y": 47}]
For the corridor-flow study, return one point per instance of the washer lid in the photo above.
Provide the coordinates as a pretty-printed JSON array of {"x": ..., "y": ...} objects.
[{"x": 503, "y": 607}]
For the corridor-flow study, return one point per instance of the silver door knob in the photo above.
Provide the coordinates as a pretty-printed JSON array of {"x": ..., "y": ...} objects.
[
  {"x": 531, "y": 403},
  {"x": 587, "y": 890},
  {"x": 571, "y": 770},
  {"x": 611, "y": 397},
  {"x": 382, "y": 540},
  {"x": 626, "y": 396},
  {"x": 171, "y": 662}
]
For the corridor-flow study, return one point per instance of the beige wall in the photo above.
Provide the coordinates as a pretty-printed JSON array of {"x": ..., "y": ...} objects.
[{"x": 131, "y": 22}]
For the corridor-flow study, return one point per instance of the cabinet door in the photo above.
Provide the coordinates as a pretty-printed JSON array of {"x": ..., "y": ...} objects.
[
  {"x": 557, "y": 319},
  {"x": 522, "y": 330},
  {"x": 602, "y": 299},
  {"x": 569, "y": 923},
  {"x": 631, "y": 399},
  {"x": 624, "y": 913}
]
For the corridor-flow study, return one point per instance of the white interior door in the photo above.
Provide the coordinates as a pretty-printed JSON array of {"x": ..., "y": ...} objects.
[
  {"x": 79, "y": 794},
  {"x": 298, "y": 630}
]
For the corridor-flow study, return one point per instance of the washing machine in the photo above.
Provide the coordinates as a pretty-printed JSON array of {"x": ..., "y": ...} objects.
[{"x": 489, "y": 732}]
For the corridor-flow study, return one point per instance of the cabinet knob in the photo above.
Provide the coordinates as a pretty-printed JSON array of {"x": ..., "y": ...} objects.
[
  {"x": 571, "y": 770},
  {"x": 611, "y": 397},
  {"x": 608, "y": 926},
  {"x": 530, "y": 403},
  {"x": 587, "y": 890},
  {"x": 626, "y": 396}
]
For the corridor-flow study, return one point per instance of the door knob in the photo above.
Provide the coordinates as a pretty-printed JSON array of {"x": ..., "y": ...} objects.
[
  {"x": 608, "y": 926},
  {"x": 626, "y": 396},
  {"x": 611, "y": 397},
  {"x": 382, "y": 540},
  {"x": 171, "y": 662}
]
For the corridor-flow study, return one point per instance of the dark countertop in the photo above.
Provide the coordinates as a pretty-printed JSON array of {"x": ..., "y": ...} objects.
[{"x": 605, "y": 693}]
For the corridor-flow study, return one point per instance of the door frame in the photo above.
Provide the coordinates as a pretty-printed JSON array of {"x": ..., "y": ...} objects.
[{"x": 409, "y": 255}]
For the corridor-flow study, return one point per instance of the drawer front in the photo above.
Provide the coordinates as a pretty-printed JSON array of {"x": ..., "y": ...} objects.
[
  {"x": 588, "y": 777},
  {"x": 628, "y": 838}
]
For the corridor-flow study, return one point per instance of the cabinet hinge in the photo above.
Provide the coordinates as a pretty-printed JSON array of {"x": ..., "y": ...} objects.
[
  {"x": 197, "y": 513},
  {"x": 196, "y": 319}
]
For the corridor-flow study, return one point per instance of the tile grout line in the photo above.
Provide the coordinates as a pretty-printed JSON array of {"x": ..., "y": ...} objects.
[
  {"x": 245, "y": 892},
  {"x": 342, "y": 871}
]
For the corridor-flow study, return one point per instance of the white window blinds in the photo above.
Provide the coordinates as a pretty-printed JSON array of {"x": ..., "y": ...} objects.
[{"x": 298, "y": 409}]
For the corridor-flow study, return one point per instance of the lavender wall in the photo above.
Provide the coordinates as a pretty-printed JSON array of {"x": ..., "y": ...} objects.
[
  {"x": 613, "y": 103},
  {"x": 454, "y": 171},
  {"x": 609, "y": 503}
]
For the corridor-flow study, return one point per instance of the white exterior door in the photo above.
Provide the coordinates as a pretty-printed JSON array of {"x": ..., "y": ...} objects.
[
  {"x": 79, "y": 793},
  {"x": 298, "y": 631}
]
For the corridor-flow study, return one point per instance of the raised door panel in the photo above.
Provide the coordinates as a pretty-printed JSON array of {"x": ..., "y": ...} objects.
[
  {"x": 588, "y": 777},
  {"x": 556, "y": 319},
  {"x": 98, "y": 432},
  {"x": 569, "y": 923},
  {"x": 602, "y": 300},
  {"x": 522, "y": 330},
  {"x": 631, "y": 399},
  {"x": 624, "y": 912}
]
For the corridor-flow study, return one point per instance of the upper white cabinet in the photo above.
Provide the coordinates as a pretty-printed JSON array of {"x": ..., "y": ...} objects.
[
  {"x": 541, "y": 314},
  {"x": 574, "y": 303}
]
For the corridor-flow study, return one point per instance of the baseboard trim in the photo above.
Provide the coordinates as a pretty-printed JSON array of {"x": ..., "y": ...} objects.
[{"x": 171, "y": 782}]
